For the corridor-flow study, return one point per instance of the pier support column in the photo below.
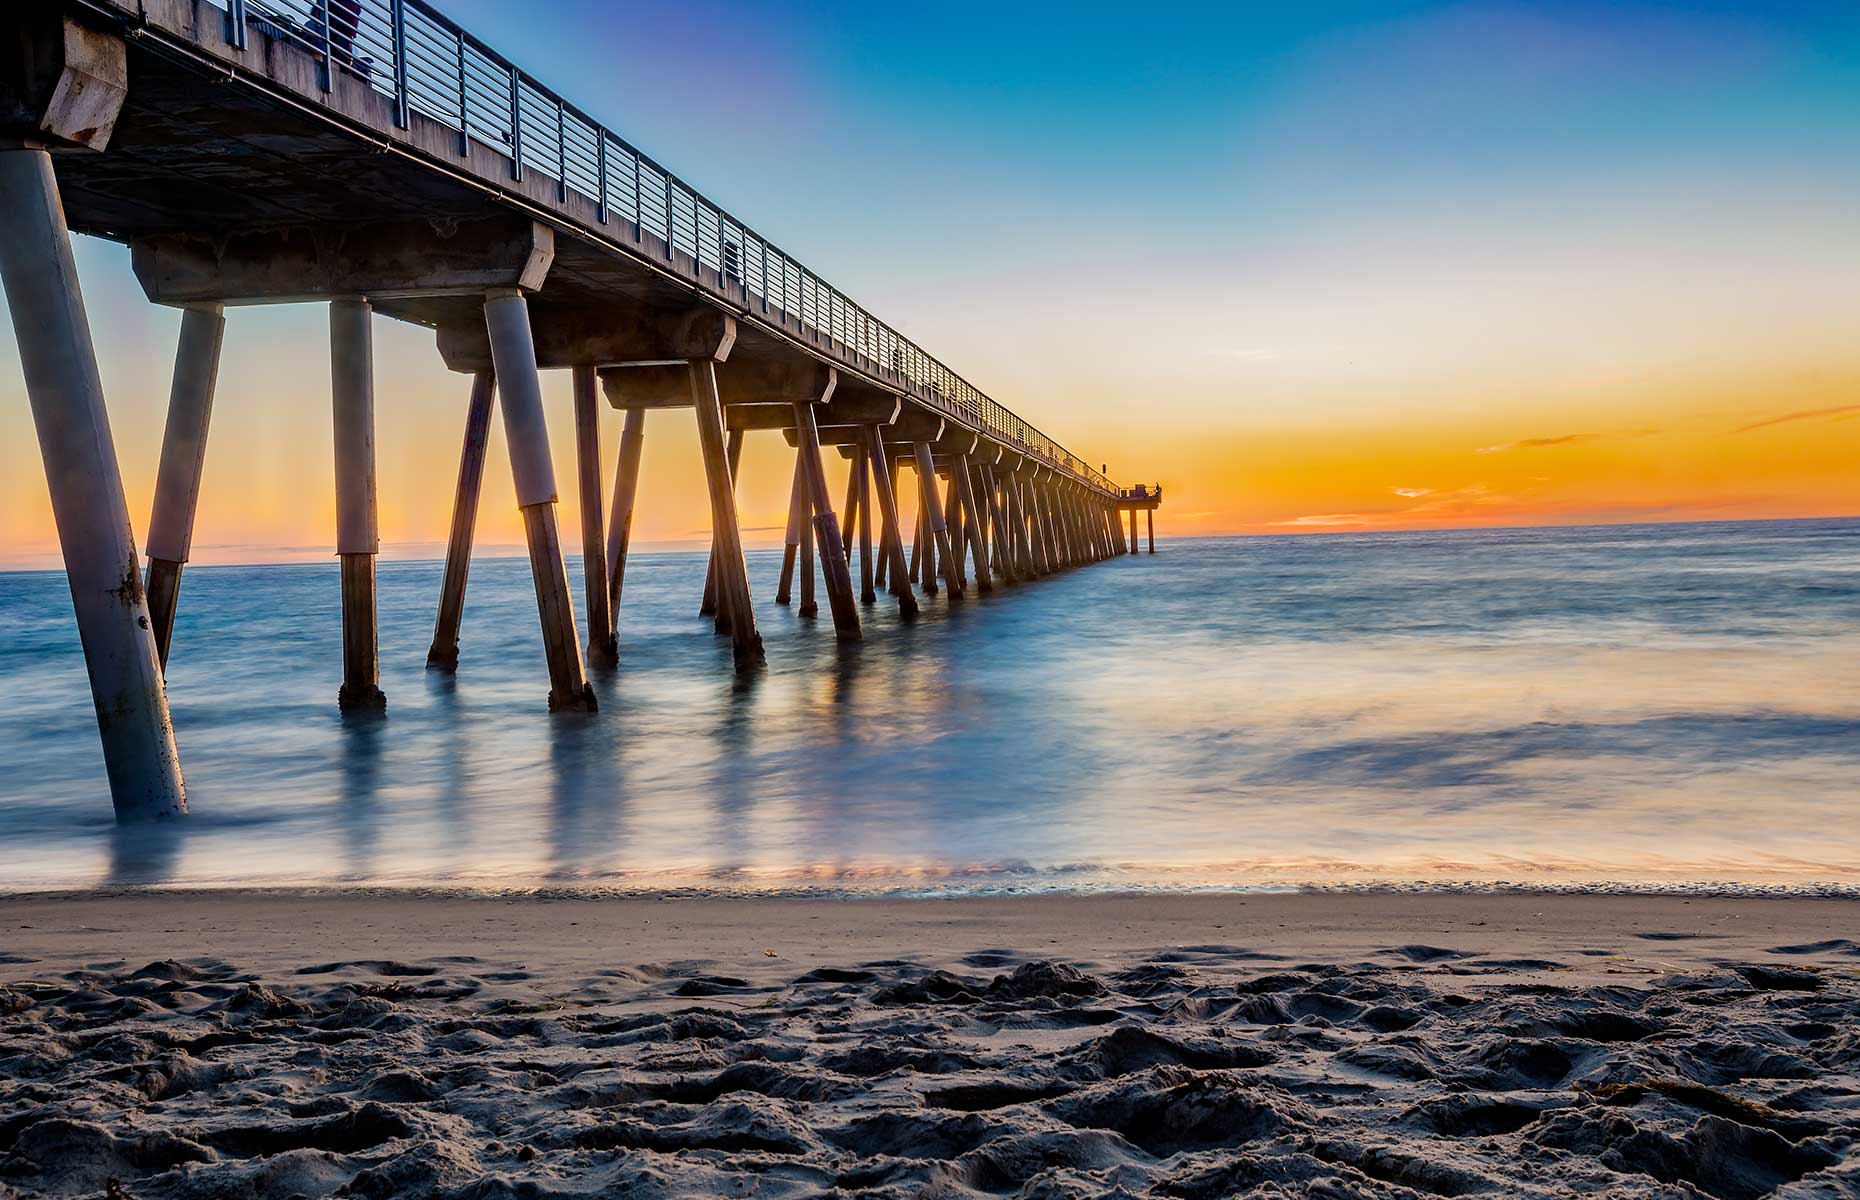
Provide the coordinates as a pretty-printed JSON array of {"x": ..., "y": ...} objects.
[
  {"x": 939, "y": 528},
  {"x": 826, "y": 531},
  {"x": 727, "y": 540},
  {"x": 620, "y": 522},
  {"x": 849, "y": 516},
  {"x": 953, "y": 518},
  {"x": 862, "y": 477},
  {"x": 1133, "y": 531},
  {"x": 183, "y": 452},
  {"x": 1062, "y": 519},
  {"x": 602, "y": 646},
  {"x": 1017, "y": 526},
  {"x": 810, "y": 607},
  {"x": 709, "y": 606},
  {"x": 963, "y": 477},
  {"x": 513, "y": 354},
  {"x": 1036, "y": 530},
  {"x": 888, "y": 510},
  {"x": 358, "y": 539},
  {"x": 926, "y": 564},
  {"x": 88, "y": 505},
  {"x": 1001, "y": 527},
  {"x": 791, "y": 540},
  {"x": 919, "y": 539},
  {"x": 444, "y": 654},
  {"x": 1149, "y": 517},
  {"x": 881, "y": 567}
]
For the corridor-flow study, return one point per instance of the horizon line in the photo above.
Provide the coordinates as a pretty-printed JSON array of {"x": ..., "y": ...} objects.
[{"x": 307, "y": 555}]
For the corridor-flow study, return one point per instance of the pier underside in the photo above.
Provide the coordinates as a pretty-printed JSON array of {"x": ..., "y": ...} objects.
[{"x": 252, "y": 164}]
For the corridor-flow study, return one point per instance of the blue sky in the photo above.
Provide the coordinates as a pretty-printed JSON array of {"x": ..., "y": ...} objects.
[{"x": 1302, "y": 262}]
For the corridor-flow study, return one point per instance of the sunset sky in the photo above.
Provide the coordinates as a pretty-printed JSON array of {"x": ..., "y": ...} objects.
[{"x": 1314, "y": 267}]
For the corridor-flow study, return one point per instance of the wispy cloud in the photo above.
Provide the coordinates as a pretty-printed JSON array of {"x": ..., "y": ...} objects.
[
  {"x": 1332, "y": 520},
  {"x": 1412, "y": 493},
  {"x": 1808, "y": 414},
  {"x": 1562, "y": 439}
]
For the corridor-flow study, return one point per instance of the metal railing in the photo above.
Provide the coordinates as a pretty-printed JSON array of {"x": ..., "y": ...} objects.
[{"x": 425, "y": 63}]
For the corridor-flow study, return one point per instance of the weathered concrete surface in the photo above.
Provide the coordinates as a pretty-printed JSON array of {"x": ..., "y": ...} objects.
[
  {"x": 61, "y": 82},
  {"x": 668, "y": 385},
  {"x": 382, "y": 260},
  {"x": 613, "y": 333},
  {"x": 88, "y": 505}
]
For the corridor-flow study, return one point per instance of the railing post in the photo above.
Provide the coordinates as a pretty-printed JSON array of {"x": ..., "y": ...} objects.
[
  {"x": 600, "y": 167},
  {"x": 327, "y": 73},
  {"x": 561, "y": 155},
  {"x": 235, "y": 24},
  {"x": 516, "y": 129},
  {"x": 639, "y": 203},
  {"x": 464, "y": 103},
  {"x": 671, "y": 235},
  {"x": 397, "y": 18}
]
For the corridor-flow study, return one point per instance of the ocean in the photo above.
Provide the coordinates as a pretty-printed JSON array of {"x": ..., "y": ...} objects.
[{"x": 1638, "y": 706}]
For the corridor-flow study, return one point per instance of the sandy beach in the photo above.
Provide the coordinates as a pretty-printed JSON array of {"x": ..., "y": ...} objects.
[{"x": 1333, "y": 1045}]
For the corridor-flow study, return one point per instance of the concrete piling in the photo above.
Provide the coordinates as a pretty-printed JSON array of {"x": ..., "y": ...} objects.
[
  {"x": 826, "y": 532},
  {"x": 444, "y": 652},
  {"x": 183, "y": 454},
  {"x": 888, "y": 509},
  {"x": 791, "y": 542},
  {"x": 963, "y": 475},
  {"x": 939, "y": 528},
  {"x": 809, "y": 607},
  {"x": 709, "y": 606},
  {"x": 602, "y": 646},
  {"x": 727, "y": 540},
  {"x": 849, "y": 515},
  {"x": 513, "y": 353},
  {"x": 862, "y": 468},
  {"x": 620, "y": 522},
  {"x": 358, "y": 539},
  {"x": 88, "y": 505}
]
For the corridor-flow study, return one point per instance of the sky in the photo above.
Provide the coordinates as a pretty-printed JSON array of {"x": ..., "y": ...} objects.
[{"x": 1315, "y": 267}]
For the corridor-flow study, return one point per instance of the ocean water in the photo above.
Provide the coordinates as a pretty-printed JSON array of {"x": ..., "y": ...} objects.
[{"x": 1650, "y": 705}]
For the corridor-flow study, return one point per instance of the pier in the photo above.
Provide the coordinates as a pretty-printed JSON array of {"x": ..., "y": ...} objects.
[{"x": 373, "y": 156}]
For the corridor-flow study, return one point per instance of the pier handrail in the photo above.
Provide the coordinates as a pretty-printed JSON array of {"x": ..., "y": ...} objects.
[{"x": 425, "y": 62}]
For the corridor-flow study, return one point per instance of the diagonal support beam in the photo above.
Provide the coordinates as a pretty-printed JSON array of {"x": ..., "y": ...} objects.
[
  {"x": 602, "y": 645},
  {"x": 507, "y": 322},
  {"x": 620, "y": 522},
  {"x": 826, "y": 529},
  {"x": 962, "y": 475},
  {"x": 732, "y": 573},
  {"x": 898, "y": 572},
  {"x": 183, "y": 453},
  {"x": 709, "y": 606},
  {"x": 444, "y": 654},
  {"x": 791, "y": 542},
  {"x": 939, "y": 528},
  {"x": 65, "y": 392}
]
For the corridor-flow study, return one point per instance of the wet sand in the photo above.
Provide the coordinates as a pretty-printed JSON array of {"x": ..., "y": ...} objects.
[{"x": 1352, "y": 1045}]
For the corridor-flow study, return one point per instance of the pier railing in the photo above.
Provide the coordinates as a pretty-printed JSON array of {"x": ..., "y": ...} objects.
[{"x": 426, "y": 63}]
